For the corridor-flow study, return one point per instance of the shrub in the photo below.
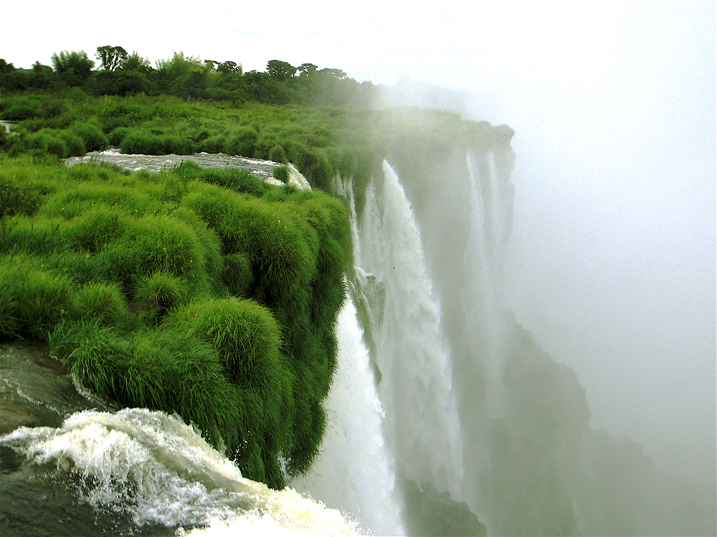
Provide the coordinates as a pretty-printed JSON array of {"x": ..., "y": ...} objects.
[
  {"x": 56, "y": 146},
  {"x": 96, "y": 355},
  {"x": 246, "y": 336},
  {"x": 178, "y": 146},
  {"x": 165, "y": 244},
  {"x": 158, "y": 293},
  {"x": 19, "y": 194},
  {"x": 143, "y": 143},
  {"x": 43, "y": 299},
  {"x": 236, "y": 180},
  {"x": 20, "y": 112},
  {"x": 242, "y": 142},
  {"x": 247, "y": 339},
  {"x": 237, "y": 274},
  {"x": 117, "y": 135},
  {"x": 100, "y": 301},
  {"x": 277, "y": 154},
  {"x": 91, "y": 135},
  {"x": 174, "y": 371},
  {"x": 214, "y": 144},
  {"x": 74, "y": 143},
  {"x": 52, "y": 108},
  {"x": 281, "y": 173},
  {"x": 188, "y": 169},
  {"x": 9, "y": 307},
  {"x": 96, "y": 228}
]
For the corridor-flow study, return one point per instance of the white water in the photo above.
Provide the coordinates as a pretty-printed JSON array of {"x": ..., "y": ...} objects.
[
  {"x": 157, "y": 470},
  {"x": 482, "y": 297},
  {"x": 421, "y": 423},
  {"x": 354, "y": 473}
]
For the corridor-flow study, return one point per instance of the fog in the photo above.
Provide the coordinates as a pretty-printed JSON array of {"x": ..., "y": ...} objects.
[{"x": 612, "y": 261}]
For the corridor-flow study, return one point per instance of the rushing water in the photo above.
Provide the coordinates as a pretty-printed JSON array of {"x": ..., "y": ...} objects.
[
  {"x": 8, "y": 125},
  {"x": 353, "y": 452},
  {"x": 421, "y": 418},
  {"x": 137, "y": 468}
]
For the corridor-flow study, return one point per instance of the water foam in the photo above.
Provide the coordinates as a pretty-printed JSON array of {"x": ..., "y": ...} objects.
[{"x": 157, "y": 470}]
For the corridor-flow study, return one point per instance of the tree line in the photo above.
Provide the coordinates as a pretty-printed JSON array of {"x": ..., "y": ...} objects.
[{"x": 117, "y": 72}]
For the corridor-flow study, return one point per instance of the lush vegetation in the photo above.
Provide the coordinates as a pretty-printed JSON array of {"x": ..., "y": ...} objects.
[
  {"x": 203, "y": 292},
  {"x": 171, "y": 292},
  {"x": 188, "y": 77}
]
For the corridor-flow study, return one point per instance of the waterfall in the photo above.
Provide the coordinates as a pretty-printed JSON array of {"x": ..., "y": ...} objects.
[
  {"x": 435, "y": 384},
  {"x": 482, "y": 292},
  {"x": 416, "y": 389},
  {"x": 354, "y": 473}
]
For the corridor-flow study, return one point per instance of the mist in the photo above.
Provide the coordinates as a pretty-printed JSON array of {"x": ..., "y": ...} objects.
[
  {"x": 613, "y": 266},
  {"x": 612, "y": 256}
]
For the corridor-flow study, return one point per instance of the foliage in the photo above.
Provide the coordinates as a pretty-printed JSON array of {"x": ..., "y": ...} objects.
[
  {"x": 242, "y": 142},
  {"x": 111, "y": 57},
  {"x": 135, "y": 62},
  {"x": 190, "y": 78},
  {"x": 6, "y": 67},
  {"x": 280, "y": 70},
  {"x": 191, "y": 291},
  {"x": 74, "y": 67},
  {"x": 282, "y": 173},
  {"x": 100, "y": 301}
]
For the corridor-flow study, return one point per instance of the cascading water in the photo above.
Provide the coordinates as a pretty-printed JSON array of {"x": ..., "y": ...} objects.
[
  {"x": 482, "y": 290},
  {"x": 354, "y": 473},
  {"x": 490, "y": 220},
  {"x": 421, "y": 418}
]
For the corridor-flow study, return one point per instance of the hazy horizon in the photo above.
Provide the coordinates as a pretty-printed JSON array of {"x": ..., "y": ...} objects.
[{"x": 612, "y": 262}]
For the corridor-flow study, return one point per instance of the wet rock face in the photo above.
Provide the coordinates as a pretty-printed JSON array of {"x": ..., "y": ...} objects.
[
  {"x": 429, "y": 513},
  {"x": 35, "y": 389}
]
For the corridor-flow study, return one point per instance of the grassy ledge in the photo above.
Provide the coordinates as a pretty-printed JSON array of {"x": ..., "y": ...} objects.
[{"x": 202, "y": 292}]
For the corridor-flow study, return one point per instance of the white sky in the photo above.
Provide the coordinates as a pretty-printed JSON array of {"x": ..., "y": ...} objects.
[{"x": 614, "y": 107}]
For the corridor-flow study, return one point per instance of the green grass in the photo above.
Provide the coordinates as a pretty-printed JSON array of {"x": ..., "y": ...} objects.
[{"x": 206, "y": 293}]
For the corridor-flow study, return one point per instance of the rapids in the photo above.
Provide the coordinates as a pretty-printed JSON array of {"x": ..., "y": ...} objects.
[{"x": 154, "y": 471}]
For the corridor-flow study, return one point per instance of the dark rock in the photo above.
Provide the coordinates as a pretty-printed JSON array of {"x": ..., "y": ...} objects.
[{"x": 430, "y": 513}]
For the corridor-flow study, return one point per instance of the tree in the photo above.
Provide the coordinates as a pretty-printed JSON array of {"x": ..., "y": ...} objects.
[
  {"x": 6, "y": 67},
  {"x": 135, "y": 62},
  {"x": 111, "y": 57},
  {"x": 229, "y": 67},
  {"x": 37, "y": 67},
  {"x": 336, "y": 73},
  {"x": 307, "y": 69},
  {"x": 74, "y": 67},
  {"x": 280, "y": 70}
]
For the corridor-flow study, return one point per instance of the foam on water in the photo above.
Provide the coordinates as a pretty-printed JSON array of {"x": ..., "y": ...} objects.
[{"x": 157, "y": 470}]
